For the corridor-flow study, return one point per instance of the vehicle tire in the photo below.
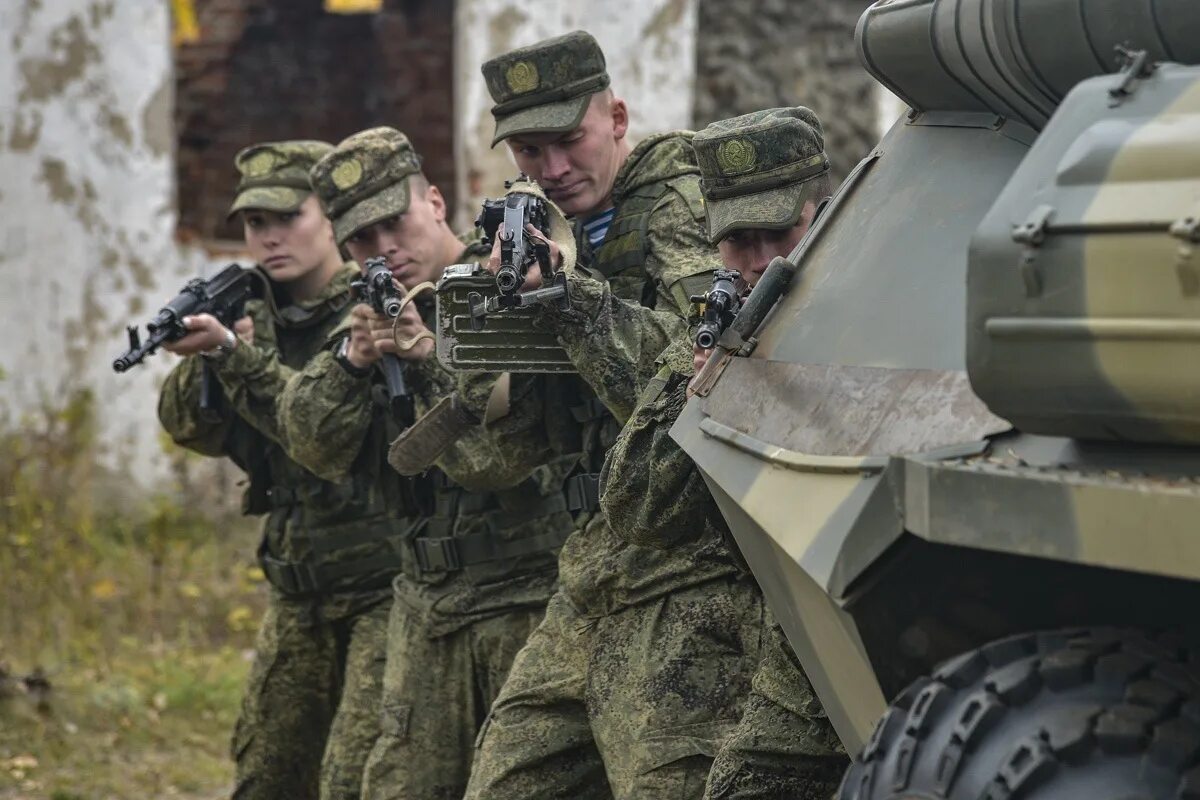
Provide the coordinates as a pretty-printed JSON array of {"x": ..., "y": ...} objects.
[{"x": 1096, "y": 714}]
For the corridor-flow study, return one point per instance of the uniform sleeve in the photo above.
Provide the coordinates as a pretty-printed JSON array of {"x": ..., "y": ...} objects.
[
  {"x": 325, "y": 414},
  {"x": 612, "y": 342},
  {"x": 651, "y": 491},
  {"x": 179, "y": 411},
  {"x": 253, "y": 378},
  {"x": 499, "y": 454},
  {"x": 610, "y": 336}
]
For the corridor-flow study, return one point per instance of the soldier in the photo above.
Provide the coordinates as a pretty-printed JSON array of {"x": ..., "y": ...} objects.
[
  {"x": 310, "y": 711},
  {"x": 764, "y": 174},
  {"x": 641, "y": 665},
  {"x": 482, "y": 565}
]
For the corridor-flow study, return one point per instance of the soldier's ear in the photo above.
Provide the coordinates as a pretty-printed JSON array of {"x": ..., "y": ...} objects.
[
  {"x": 434, "y": 196},
  {"x": 620, "y": 117}
]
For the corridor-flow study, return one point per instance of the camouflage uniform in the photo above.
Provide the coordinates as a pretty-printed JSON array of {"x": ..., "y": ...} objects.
[
  {"x": 309, "y": 714},
  {"x": 482, "y": 563},
  {"x": 638, "y": 671},
  {"x": 784, "y": 746}
]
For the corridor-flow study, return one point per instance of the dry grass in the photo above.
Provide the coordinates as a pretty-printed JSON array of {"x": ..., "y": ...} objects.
[{"x": 140, "y": 613}]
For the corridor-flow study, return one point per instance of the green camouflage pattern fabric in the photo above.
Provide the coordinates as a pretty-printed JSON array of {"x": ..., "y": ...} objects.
[
  {"x": 310, "y": 712},
  {"x": 333, "y": 421},
  {"x": 437, "y": 692},
  {"x": 605, "y": 567},
  {"x": 452, "y": 633},
  {"x": 760, "y": 169},
  {"x": 546, "y": 87},
  {"x": 651, "y": 492},
  {"x": 273, "y": 176},
  {"x": 656, "y": 251},
  {"x": 630, "y": 682},
  {"x": 316, "y": 684},
  {"x": 307, "y": 518},
  {"x": 628, "y": 705},
  {"x": 784, "y": 745},
  {"x": 365, "y": 179}
]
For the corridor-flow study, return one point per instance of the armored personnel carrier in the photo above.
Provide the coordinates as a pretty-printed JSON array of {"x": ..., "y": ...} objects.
[{"x": 961, "y": 453}]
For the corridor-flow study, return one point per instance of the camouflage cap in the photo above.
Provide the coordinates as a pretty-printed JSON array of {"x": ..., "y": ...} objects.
[
  {"x": 546, "y": 87},
  {"x": 274, "y": 175},
  {"x": 365, "y": 179},
  {"x": 759, "y": 169}
]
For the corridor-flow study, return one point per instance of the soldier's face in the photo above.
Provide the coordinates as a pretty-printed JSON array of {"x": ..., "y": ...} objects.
[
  {"x": 750, "y": 250},
  {"x": 411, "y": 242},
  {"x": 290, "y": 245},
  {"x": 577, "y": 169}
]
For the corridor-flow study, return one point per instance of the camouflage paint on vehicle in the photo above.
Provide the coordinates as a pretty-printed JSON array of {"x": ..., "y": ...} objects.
[{"x": 888, "y": 509}]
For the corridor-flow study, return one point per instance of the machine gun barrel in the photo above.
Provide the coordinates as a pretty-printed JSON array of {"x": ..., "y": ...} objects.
[{"x": 518, "y": 250}]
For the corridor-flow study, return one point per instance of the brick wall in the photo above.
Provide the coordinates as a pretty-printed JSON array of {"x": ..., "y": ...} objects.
[
  {"x": 285, "y": 69},
  {"x": 756, "y": 54}
]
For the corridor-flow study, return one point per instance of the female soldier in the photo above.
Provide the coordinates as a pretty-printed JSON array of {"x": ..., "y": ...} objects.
[{"x": 311, "y": 710}]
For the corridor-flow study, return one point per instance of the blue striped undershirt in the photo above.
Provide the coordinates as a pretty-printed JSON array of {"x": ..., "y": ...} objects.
[{"x": 596, "y": 227}]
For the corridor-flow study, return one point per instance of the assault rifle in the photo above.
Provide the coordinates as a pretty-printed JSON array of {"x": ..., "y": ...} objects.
[
  {"x": 518, "y": 252},
  {"x": 718, "y": 306},
  {"x": 224, "y": 296},
  {"x": 378, "y": 289}
]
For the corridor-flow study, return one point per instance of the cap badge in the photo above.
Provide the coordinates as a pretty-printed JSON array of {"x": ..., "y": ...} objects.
[
  {"x": 259, "y": 164},
  {"x": 736, "y": 156},
  {"x": 522, "y": 77},
  {"x": 346, "y": 174}
]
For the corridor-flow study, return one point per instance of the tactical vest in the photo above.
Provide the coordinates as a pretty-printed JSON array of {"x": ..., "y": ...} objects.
[
  {"x": 498, "y": 517},
  {"x": 626, "y": 243},
  {"x": 323, "y": 536}
]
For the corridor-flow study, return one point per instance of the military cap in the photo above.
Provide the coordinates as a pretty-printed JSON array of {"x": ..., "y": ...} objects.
[
  {"x": 758, "y": 170},
  {"x": 546, "y": 87},
  {"x": 274, "y": 175},
  {"x": 365, "y": 179}
]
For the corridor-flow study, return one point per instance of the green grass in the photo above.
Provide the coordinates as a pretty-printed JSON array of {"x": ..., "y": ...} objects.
[
  {"x": 139, "y": 609},
  {"x": 153, "y": 725}
]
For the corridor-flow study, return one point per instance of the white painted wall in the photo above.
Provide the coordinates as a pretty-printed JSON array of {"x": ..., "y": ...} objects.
[
  {"x": 649, "y": 46},
  {"x": 86, "y": 209}
]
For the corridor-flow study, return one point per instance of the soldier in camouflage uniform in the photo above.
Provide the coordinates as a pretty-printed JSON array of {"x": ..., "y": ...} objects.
[
  {"x": 310, "y": 711},
  {"x": 641, "y": 665},
  {"x": 764, "y": 173},
  {"x": 482, "y": 564}
]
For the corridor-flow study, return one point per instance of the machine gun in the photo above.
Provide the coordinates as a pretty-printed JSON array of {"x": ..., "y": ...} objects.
[
  {"x": 518, "y": 252},
  {"x": 224, "y": 296},
  {"x": 377, "y": 288},
  {"x": 719, "y": 306}
]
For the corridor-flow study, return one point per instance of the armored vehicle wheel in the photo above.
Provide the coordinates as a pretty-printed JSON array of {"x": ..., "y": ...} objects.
[{"x": 1090, "y": 715}]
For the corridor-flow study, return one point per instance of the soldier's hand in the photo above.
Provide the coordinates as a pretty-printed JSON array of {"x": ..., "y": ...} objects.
[
  {"x": 244, "y": 328},
  {"x": 405, "y": 328},
  {"x": 699, "y": 359},
  {"x": 205, "y": 333},
  {"x": 362, "y": 351},
  {"x": 533, "y": 276}
]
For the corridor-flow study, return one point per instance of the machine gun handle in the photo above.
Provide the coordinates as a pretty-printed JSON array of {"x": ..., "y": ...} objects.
[{"x": 400, "y": 400}]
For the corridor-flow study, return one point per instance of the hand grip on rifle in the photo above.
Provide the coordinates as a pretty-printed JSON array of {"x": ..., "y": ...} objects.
[{"x": 377, "y": 288}]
